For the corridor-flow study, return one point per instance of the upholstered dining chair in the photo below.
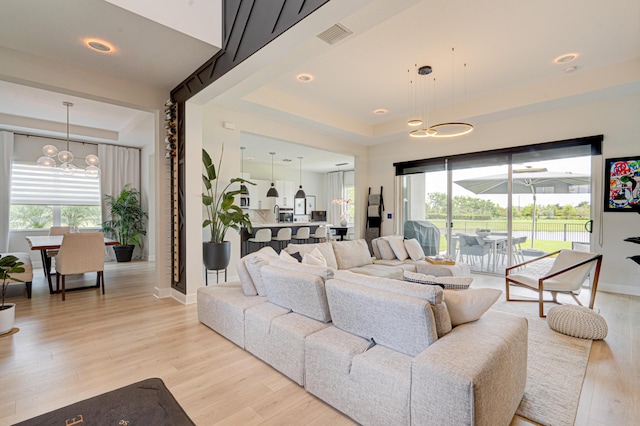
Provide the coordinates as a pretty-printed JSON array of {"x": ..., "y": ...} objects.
[
  {"x": 566, "y": 275},
  {"x": 80, "y": 253},
  {"x": 54, "y": 230}
]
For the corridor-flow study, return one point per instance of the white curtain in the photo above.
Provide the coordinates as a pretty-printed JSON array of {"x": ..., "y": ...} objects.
[
  {"x": 6, "y": 158},
  {"x": 119, "y": 166},
  {"x": 335, "y": 190}
]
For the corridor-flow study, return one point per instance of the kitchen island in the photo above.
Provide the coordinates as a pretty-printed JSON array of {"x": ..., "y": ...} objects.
[{"x": 275, "y": 227}]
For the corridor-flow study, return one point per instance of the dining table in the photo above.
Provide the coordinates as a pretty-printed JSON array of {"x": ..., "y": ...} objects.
[{"x": 52, "y": 242}]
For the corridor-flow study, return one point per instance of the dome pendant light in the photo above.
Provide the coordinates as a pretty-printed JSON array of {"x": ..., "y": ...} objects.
[
  {"x": 300, "y": 193},
  {"x": 272, "y": 192},
  {"x": 243, "y": 187}
]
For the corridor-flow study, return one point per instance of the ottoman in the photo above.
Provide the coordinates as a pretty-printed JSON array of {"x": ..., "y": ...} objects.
[{"x": 577, "y": 321}]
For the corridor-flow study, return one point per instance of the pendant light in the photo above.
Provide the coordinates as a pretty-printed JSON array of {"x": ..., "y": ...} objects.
[
  {"x": 300, "y": 193},
  {"x": 243, "y": 187},
  {"x": 66, "y": 157},
  {"x": 272, "y": 192},
  {"x": 451, "y": 129}
]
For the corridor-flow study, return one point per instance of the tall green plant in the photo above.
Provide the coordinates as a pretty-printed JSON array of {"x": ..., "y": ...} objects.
[
  {"x": 8, "y": 265},
  {"x": 222, "y": 212},
  {"x": 127, "y": 224}
]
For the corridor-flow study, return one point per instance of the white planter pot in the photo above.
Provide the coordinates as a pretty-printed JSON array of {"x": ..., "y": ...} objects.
[{"x": 7, "y": 318}]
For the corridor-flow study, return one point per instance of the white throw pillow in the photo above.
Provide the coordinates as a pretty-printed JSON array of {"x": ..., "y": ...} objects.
[
  {"x": 386, "y": 252},
  {"x": 397, "y": 245},
  {"x": 286, "y": 256},
  {"x": 469, "y": 305},
  {"x": 314, "y": 258},
  {"x": 248, "y": 288},
  {"x": 351, "y": 254},
  {"x": 254, "y": 262},
  {"x": 414, "y": 249}
]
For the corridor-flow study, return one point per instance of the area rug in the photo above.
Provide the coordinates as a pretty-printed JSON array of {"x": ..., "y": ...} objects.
[
  {"x": 555, "y": 370},
  {"x": 148, "y": 402}
]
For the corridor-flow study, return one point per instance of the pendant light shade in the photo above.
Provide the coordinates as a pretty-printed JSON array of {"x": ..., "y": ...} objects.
[
  {"x": 300, "y": 193},
  {"x": 243, "y": 188},
  {"x": 272, "y": 192}
]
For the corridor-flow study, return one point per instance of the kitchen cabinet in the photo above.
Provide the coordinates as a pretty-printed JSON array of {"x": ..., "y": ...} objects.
[
  {"x": 258, "y": 195},
  {"x": 286, "y": 192}
]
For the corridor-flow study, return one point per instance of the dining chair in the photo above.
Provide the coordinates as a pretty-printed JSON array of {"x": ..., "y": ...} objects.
[
  {"x": 471, "y": 245},
  {"x": 566, "y": 275},
  {"x": 54, "y": 230},
  {"x": 80, "y": 253}
]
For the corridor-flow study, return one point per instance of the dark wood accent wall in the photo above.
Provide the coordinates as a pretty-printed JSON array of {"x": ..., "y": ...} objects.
[{"x": 248, "y": 26}]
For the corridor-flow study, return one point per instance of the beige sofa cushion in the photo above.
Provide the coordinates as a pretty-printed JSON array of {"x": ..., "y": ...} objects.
[
  {"x": 414, "y": 249},
  {"x": 351, "y": 254},
  {"x": 385, "y": 250},
  {"x": 397, "y": 245},
  {"x": 469, "y": 305}
]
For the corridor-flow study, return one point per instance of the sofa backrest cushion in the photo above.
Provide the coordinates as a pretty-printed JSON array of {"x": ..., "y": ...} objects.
[
  {"x": 325, "y": 248},
  {"x": 432, "y": 294},
  {"x": 386, "y": 252},
  {"x": 351, "y": 254},
  {"x": 403, "y": 323},
  {"x": 301, "y": 292},
  {"x": 251, "y": 264},
  {"x": 324, "y": 272}
]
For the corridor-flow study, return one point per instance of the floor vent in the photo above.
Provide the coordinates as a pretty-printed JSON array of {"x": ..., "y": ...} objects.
[{"x": 335, "y": 34}]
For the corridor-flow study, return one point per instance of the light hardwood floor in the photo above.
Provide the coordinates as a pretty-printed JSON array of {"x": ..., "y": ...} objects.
[{"x": 90, "y": 344}]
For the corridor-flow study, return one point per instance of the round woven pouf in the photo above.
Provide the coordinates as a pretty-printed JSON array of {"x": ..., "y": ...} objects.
[{"x": 577, "y": 321}]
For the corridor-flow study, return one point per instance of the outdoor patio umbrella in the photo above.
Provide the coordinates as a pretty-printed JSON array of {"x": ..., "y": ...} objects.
[{"x": 527, "y": 181}]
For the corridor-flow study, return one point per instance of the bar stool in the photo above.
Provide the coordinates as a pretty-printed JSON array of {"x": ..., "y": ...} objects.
[
  {"x": 302, "y": 235},
  {"x": 320, "y": 234},
  {"x": 283, "y": 238},
  {"x": 262, "y": 237}
]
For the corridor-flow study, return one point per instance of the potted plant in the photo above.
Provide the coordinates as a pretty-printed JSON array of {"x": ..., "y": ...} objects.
[
  {"x": 222, "y": 213},
  {"x": 127, "y": 224},
  {"x": 8, "y": 265}
]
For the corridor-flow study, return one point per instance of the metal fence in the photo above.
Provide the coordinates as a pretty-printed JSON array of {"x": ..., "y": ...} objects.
[{"x": 554, "y": 231}]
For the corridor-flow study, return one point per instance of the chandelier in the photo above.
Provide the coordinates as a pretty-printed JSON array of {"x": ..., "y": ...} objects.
[{"x": 66, "y": 157}]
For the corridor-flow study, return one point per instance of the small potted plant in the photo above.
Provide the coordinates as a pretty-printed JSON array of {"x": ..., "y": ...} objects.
[
  {"x": 8, "y": 265},
  {"x": 222, "y": 213},
  {"x": 127, "y": 224}
]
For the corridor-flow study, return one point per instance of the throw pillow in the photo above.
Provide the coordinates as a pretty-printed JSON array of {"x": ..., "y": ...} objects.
[
  {"x": 254, "y": 262},
  {"x": 325, "y": 248},
  {"x": 449, "y": 283},
  {"x": 397, "y": 245},
  {"x": 314, "y": 258},
  {"x": 414, "y": 249},
  {"x": 248, "y": 288},
  {"x": 469, "y": 305},
  {"x": 268, "y": 251},
  {"x": 351, "y": 254},
  {"x": 386, "y": 253},
  {"x": 286, "y": 256}
]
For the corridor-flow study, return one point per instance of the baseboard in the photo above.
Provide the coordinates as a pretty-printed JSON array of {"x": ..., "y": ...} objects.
[
  {"x": 162, "y": 293},
  {"x": 620, "y": 289},
  {"x": 185, "y": 299}
]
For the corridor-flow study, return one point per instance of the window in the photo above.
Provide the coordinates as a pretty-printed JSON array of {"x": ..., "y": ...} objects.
[{"x": 42, "y": 197}]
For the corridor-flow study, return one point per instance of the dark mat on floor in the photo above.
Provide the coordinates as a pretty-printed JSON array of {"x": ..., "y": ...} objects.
[{"x": 148, "y": 402}]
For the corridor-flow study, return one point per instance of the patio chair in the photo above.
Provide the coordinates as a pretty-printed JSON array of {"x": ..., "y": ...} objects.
[
  {"x": 566, "y": 275},
  {"x": 471, "y": 245}
]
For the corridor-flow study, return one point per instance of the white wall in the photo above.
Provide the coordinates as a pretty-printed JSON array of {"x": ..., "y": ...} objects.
[{"x": 616, "y": 118}]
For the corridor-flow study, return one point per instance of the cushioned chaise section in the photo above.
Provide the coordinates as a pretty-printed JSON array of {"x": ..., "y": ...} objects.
[
  {"x": 297, "y": 291},
  {"x": 482, "y": 384},
  {"x": 222, "y": 308},
  {"x": 372, "y": 386},
  {"x": 276, "y": 336},
  {"x": 396, "y": 321},
  {"x": 379, "y": 271}
]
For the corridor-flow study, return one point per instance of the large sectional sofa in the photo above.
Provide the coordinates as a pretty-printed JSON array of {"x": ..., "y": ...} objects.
[{"x": 381, "y": 350}]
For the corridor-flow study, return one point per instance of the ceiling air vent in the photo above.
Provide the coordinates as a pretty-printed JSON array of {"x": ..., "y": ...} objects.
[{"x": 334, "y": 34}]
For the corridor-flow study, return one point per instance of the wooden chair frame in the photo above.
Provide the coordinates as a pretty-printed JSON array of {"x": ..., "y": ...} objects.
[{"x": 594, "y": 285}]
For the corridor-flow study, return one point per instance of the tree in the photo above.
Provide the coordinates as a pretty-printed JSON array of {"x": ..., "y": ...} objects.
[{"x": 31, "y": 217}]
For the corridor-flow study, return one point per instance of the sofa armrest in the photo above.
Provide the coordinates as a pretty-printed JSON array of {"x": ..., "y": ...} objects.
[{"x": 474, "y": 375}]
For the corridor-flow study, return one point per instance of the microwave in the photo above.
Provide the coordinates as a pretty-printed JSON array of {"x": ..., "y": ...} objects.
[{"x": 244, "y": 202}]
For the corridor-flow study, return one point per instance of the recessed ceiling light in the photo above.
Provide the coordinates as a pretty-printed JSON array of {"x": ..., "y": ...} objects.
[
  {"x": 380, "y": 111},
  {"x": 305, "y": 78},
  {"x": 570, "y": 69},
  {"x": 565, "y": 58},
  {"x": 99, "y": 45}
]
